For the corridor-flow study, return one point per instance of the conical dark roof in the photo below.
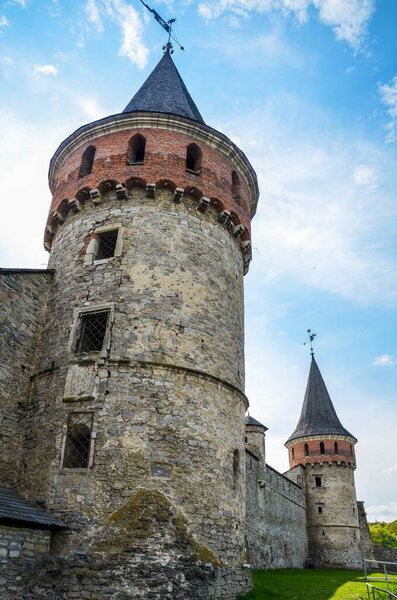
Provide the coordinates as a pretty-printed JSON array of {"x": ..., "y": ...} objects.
[
  {"x": 318, "y": 416},
  {"x": 165, "y": 92},
  {"x": 251, "y": 421}
]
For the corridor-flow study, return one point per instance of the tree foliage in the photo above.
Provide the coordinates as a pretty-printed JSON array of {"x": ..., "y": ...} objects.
[{"x": 384, "y": 534}]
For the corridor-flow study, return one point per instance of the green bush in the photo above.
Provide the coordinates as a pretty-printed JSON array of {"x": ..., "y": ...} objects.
[{"x": 384, "y": 534}]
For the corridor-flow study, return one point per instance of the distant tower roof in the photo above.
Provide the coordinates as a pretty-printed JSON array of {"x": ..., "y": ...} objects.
[
  {"x": 165, "y": 92},
  {"x": 251, "y": 421},
  {"x": 318, "y": 416}
]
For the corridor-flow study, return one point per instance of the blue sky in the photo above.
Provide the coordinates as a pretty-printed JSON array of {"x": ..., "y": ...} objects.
[{"x": 308, "y": 89}]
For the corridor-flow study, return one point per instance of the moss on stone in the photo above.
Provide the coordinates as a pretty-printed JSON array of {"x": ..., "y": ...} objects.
[{"x": 149, "y": 514}]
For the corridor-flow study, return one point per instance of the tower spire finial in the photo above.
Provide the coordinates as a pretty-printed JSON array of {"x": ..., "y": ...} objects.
[
  {"x": 311, "y": 338},
  {"x": 167, "y": 25}
]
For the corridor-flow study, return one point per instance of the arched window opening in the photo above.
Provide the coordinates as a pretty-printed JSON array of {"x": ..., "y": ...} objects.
[
  {"x": 322, "y": 448},
  {"x": 136, "y": 150},
  {"x": 336, "y": 448},
  {"x": 87, "y": 161},
  {"x": 193, "y": 159},
  {"x": 78, "y": 441},
  {"x": 235, "y": 187},
  {"x": 293, "y": 453},
  {"x": 306, "y": 450},
  {"x": 236, "y": 467}
]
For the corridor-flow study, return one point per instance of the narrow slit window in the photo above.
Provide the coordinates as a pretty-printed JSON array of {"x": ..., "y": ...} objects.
[
  {"x": 136, "y": 150},
  {"x": 87, "y": 161},
  {"x": 92, "y": 332},
  {"x": 78, "y": 441},
  {"x": 317, "y": 481},
  {"x": 193, "y": 159},
  {"x": 322, "y": 448},
  {"x": 292, "y": 453},
  {"x": 236, "y": 467},
  {"x": 336, "y": 448},
  {"x": 319, "y": 509},
  {"x": 107, "y": 244},
  {"x": 351, "y": 450},
  {"x": 306, "y": 450},
  {"x": 235, "y": 187}
]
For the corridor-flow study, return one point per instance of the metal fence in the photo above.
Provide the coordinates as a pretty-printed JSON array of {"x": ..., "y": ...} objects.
[{"x": 383, "y": 577}]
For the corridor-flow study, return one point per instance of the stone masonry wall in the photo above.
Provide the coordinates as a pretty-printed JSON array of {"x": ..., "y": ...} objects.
[
  {"x": 333, "y": 531},
  {"x": 20, "y": 549},
  {"x": 366, "y": 547},
  {"x": 165, "y": 394},
  {"x": 276, "y": 519},
  {"x": 22, "y": 304}
]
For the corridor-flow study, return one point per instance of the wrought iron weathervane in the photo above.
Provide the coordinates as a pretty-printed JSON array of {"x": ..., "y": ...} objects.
[
  {"x": 311, "y": 338},
  {"x": 167, "y": 25}
]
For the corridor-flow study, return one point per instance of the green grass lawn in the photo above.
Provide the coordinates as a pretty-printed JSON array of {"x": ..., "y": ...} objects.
[{"x": 308, "y": 584}]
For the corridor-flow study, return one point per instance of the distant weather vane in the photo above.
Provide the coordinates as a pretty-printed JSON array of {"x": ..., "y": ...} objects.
[
  {"x": 167, "y": 25},
  {"x": 311, "y": 338}
]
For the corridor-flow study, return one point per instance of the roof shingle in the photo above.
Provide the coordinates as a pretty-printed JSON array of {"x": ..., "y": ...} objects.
[
  {"x": 165, "y": 92},
  {"x": 14, "y": 508},
  {"x": 318, "y": 416}
]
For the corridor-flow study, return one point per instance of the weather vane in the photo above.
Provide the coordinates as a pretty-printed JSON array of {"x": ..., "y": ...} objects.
[
  {"x": 167, "y": 25},
  {"x": 311, "y": 338}
]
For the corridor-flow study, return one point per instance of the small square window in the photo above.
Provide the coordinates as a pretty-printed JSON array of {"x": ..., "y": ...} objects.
[
  {"x": 319, "y": 509},
  {"x": 318, "y": 481},
  {"x": 92, "y": 332},
  {"x": 107, "y": 244}
]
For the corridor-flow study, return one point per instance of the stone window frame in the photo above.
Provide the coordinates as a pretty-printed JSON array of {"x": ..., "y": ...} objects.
[
  {"x": 90, "y": 464},
  {"x": 77, "y": 324},
  {"x": 93, "y": 246}
]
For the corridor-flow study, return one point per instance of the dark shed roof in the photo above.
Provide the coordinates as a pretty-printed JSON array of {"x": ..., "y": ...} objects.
[
  {"x": 165, "y": 92},
  {"x": 318, "y": 416},
  {"x": 251, "y": 421},
  {"x": 14, "y": 508}
]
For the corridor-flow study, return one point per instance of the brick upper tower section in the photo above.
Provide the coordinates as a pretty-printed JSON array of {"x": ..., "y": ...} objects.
[
  {"x": 95, "y": 159},
  {"x": 319, "y": 436}
]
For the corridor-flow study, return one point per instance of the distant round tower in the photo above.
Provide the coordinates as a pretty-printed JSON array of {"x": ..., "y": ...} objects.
[
  {"x": 139, "y": 408},
  {"x": 325, "y": 451}
]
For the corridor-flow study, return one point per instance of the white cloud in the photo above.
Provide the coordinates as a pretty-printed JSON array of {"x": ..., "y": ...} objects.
[
  {"x": 91, "y": 108},
  {"x": 317, "y": 223},
  {"x": 388, "y": 94},
  {"x": 4, "y": 22},
  {"x": 45, "y": 69},
  {"x": 130, "y": 23},
  {"x": 382, "y": 512},
  {"x": 7, "y": 60},
  {"x": 385, "y": 360},
  {"x": 93, "y": 15},
  {"x": 348, "y": 19},
  {"x": 365, "y": 176}
]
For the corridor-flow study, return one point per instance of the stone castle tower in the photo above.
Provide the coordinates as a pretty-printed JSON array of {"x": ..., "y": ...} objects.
[
  {"x": 322, "y": 460},
  {"x": 135, "y": 417}
]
